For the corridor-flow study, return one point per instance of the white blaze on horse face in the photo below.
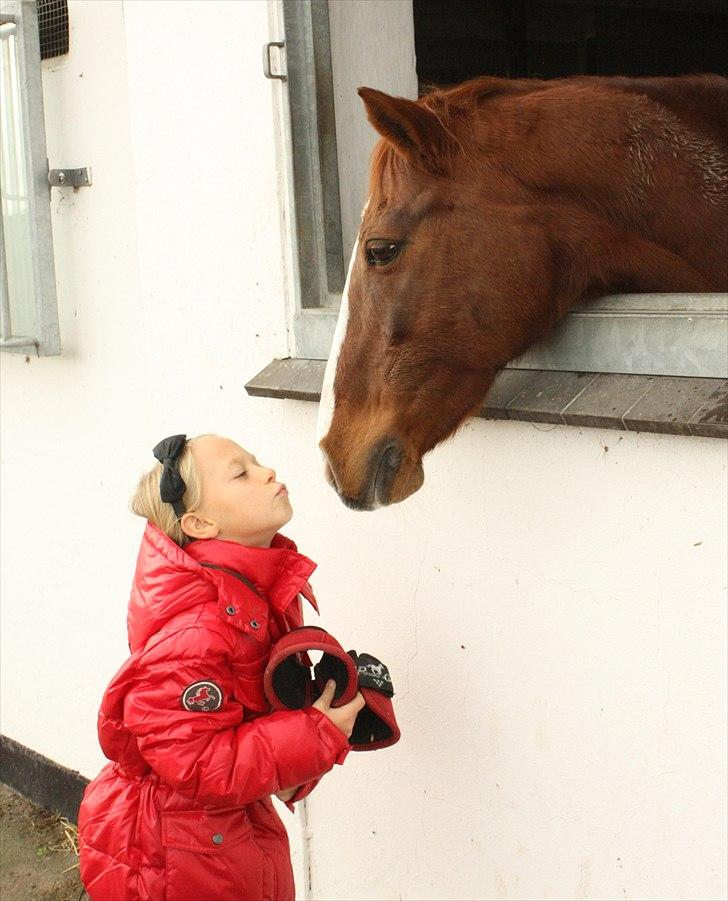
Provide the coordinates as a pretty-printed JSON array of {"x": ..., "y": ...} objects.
[{"x": 326, "y": 406}]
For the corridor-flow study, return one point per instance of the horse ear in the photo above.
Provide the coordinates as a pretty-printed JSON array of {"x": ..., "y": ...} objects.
[{"x": 414, "y": 131}]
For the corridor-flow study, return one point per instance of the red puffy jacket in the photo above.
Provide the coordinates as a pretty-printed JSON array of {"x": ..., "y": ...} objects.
[{"x": 183, "y": 813}]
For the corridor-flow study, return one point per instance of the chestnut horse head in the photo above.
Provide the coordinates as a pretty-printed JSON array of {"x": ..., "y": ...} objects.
[{"x": 494, "y": 208}]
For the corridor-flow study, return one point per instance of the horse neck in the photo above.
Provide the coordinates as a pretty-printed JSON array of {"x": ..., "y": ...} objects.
[
  {"x": 701, "y": 101},
  {"x": 594, "y": 257},
  {"x": 596, "y": 166},
  {"x": 596, "y": 135}
]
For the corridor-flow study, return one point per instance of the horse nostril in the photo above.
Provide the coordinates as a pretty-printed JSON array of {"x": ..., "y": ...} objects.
[
  {"x": 389, "y": 460},
  {"x": 391, "y": 457}
]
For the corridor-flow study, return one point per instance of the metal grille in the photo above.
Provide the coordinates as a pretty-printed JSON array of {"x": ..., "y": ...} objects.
[{"x": 53, "y": 27}]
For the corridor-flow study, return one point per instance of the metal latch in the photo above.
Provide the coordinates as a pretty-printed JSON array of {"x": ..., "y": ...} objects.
[
  {"x": 70, "y": 178},
  {"x": 267, "y": 67}
]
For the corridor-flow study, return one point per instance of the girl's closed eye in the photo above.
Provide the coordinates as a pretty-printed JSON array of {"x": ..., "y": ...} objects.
[{"x": 241, "y": 475}]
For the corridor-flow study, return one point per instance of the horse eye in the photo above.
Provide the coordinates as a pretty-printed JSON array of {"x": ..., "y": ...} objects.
[{"x": 379, "y": 253}]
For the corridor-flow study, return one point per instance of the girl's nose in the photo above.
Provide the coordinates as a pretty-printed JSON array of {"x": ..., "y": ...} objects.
[{"x": 270, "y": 475}]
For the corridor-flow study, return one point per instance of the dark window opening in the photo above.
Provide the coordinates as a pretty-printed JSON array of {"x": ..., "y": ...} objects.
[{"x": 460, "y": 39}]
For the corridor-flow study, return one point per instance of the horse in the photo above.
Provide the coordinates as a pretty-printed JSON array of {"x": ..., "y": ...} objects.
[{"x": 494, "y": 208}]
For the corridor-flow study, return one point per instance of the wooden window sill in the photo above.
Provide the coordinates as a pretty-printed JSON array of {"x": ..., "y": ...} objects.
[{"x": 634, "y": 403}]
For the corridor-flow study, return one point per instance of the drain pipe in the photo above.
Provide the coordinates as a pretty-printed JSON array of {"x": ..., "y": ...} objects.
[{"x": 306, "y": 836}]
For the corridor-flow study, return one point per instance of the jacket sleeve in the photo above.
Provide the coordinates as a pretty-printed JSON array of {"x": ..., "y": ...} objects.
[
  {"x": 303, "y": 791},
  {"x": 213, "y": 757}
]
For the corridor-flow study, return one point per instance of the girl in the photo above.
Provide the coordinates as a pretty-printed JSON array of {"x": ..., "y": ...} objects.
[{"x": 183, "y": 812}]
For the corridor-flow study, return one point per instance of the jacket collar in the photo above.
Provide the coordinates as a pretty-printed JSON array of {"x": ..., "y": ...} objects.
[
  {"x": 169, "y": 579},
  {"x": 278, "y": 573}
]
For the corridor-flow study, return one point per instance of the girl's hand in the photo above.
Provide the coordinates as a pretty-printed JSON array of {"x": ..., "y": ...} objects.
[{"x": 342, "y": 717}]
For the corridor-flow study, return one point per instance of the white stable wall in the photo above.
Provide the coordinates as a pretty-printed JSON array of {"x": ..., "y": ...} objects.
[{"x": 551, "y": 604}]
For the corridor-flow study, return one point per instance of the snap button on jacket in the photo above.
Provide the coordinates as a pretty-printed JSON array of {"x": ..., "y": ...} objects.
[{"x": 183, "y": 810}]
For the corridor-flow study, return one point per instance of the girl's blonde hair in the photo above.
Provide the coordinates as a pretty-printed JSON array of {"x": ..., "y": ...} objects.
[{"x": 147, "y": 502}]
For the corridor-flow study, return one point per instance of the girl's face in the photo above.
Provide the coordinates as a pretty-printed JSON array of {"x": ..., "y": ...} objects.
[{"x": 241, "y": 500}]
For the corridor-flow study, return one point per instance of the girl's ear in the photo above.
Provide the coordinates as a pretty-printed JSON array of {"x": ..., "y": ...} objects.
[{"x": 195, "y": 526}]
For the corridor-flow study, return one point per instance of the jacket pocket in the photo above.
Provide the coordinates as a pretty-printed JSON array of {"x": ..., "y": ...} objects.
[{"x": 211, "y": 854}]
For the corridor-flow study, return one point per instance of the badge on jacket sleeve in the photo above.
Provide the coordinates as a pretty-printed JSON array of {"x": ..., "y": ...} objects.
[{"x": 202, "y": 697}]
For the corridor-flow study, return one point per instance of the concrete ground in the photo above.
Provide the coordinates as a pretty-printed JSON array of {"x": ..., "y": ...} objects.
[{"x": 38, "y": 859}]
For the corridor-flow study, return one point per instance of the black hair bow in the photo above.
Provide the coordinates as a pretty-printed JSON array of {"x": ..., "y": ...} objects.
[{"x": 171, "y": 485}]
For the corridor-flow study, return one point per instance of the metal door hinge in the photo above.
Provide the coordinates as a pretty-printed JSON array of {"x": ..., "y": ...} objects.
[
  {"x": 267, "y": 67},
  {"x": 69, "y": 178}
]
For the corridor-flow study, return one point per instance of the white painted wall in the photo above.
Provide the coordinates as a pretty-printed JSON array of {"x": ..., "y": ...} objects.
[{"x": 575, "y": 746}]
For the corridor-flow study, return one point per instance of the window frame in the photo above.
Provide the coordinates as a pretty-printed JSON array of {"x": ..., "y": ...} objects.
[
  {"x": 45, "y": 339},
  {"x": 639, "y": 334},
  {"x": 312, "y": 219}
]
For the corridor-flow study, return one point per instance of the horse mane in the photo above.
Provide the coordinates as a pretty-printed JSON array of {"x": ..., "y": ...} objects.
[
  {"x": 702, "y": 100},
  {"x": 476, "y": 90},
  {"x": 705, "y": 93}
]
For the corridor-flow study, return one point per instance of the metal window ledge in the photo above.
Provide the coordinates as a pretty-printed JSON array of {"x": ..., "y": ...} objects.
[
  {"x": 650, "y": 334},
  {"x": 675, "y": 405}
]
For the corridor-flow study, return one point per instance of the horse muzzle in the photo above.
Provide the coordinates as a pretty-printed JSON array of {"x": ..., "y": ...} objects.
[{"x": 389, "y": 477}]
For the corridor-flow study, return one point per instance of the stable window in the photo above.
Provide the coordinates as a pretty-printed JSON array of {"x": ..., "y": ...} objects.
[
  {"x": 402, "y": 46},
  {"x": 29, "y": 322}
]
